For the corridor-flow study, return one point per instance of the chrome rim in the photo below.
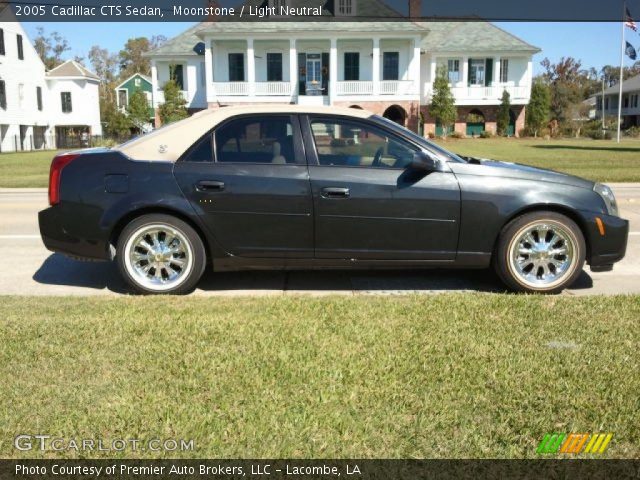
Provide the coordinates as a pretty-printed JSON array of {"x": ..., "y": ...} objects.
[
  {"x": 158, "y": 257},
  {"x": 542, "y": 254}
]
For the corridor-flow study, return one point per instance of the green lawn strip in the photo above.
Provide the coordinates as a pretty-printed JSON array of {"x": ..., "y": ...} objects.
[
  {"x": 25, "y": 169},
  {"x": 599, "y": 160},
  {"x": 451, "y": 375}
]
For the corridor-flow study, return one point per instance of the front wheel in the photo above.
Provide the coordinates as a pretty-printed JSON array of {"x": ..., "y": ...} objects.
[
  {"x": 160, "y": 253},
  {"x": 540, "y": 252}
]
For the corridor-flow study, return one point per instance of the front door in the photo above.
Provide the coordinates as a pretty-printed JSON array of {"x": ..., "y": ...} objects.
[
  {"x": 368, "y": 204},
  {"x": 249, "y": 182},
  {"x": 314, "y": 74}
]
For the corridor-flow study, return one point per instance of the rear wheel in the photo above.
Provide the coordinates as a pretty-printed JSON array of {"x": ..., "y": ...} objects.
[
  {"x": 160, "y": 253},
  {"x": 540, "y": 252}
]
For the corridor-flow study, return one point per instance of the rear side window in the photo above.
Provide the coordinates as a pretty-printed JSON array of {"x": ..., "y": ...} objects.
[
  {"x": 201, "y": 152},
  {"x": 256, "y": 139}
]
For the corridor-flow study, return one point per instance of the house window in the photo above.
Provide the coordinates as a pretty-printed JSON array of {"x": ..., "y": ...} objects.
[
  {"x": 504, "y": 70},
  {"x": 352, "y": 66},
  {"x": 21, "y": 95},
  {"x": 626, "y": 102},
  {"x": 476, "y": 71},
  {"x": 634, "y": 100},
  {"x": 274, "y": 67},
  {"x": 345, "y": 7},
  {"x": 599, "y": 103},
  {"x": 122, "y": 98},
  {"x": 2, "y": 50},
  {"x": 65, "y": 98},
  {"x": 390, "y": 66},
  {"x": 606, "y": 103},
  {"x": 236, "y": 67},
  {"x": 39, "y": 97},
  {"x": 453, "y": 70},
  {"x": 20, "y": 50},
  {"x": 277, "y": 4},
  {"x": 176, "y": 73},
  {"x": 137, "y": 82},
  {"x": 3, "y": 95}
]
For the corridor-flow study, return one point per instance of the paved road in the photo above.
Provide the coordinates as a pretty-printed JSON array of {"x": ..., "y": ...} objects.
[{"x": 30, "y": 269}]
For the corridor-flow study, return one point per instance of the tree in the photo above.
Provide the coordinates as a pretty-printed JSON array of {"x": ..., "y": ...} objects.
[
  {"x": 504, "y": 113},
  {"x": 568, "y": 84},
  {"x": 115, "y": 122},
  {"x": 537, "y": 113},
  {"x": 138, "y": 110},
  {"x": 443, "y": 107},
  {"x": 50, "y": 47},
  {"x": 132, "y": 59},
  {"x": 173, "y": 108}
]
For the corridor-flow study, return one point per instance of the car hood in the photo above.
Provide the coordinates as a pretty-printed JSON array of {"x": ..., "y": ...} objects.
[{"x": 488, "y": 167}]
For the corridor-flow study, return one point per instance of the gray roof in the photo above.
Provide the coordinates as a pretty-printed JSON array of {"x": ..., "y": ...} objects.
[
  {"x": 473, "y": 36},
  {"x": 629, "y": 85},
  {"x": 71, "y": 68}
]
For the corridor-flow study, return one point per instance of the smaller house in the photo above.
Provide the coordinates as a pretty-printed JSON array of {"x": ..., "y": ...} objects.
[
  {"x": 127, "y": 88},
  {"x": 630, "y": 104}
]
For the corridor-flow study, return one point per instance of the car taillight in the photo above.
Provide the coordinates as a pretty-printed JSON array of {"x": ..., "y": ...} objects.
[{"x": 58, "y": 163}]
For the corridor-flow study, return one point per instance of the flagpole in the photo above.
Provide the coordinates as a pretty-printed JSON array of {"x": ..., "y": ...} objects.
[{"x": 624, "y": 10}]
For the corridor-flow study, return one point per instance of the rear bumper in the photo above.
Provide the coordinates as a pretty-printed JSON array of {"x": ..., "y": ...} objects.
[
  {"x": 57, "y": 239},
  {"x": 605, "y": 250}
]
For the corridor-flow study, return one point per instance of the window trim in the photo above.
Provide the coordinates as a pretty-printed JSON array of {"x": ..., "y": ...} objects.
[
  {"x": 126, "y": 98},
  {"x": 454, "y": 62},
  {"x": 312, "y": 151},
  {"x": 504, "y": 62}
]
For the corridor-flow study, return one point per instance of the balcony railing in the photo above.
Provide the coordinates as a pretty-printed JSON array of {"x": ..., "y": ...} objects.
[
  {"x": 273, "y": 88},
  {"x": 396, "y": 87},
  {"x": 354, "y": 87}
]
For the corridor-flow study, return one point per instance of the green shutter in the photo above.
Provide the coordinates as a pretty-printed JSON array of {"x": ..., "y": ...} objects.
[
  {"x": 302, "y": 79},
  {"x": 488, "y": 72},
  {"x": 468, "y": 72}
]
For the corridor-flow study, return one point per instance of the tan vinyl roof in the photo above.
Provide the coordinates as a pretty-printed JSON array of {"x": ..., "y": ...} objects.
[
  {"x": 171, "y": 141},
  {"x": 71, "y": 68}
]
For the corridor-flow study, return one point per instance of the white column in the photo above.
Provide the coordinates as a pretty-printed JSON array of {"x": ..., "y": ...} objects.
[
  {"x": 293, "y": 66},
  {"x": 251, "y": 67},
  {"x": 154, "y": 83},
  {"x": 333, "y": 70},
  {"x": 414, "y": 66},
  {"x": 375, "y": 65},
  {"x": 496, "y": 71},
  {"x": 465, "y": 71},
  {"x": 208, "y": 71}
]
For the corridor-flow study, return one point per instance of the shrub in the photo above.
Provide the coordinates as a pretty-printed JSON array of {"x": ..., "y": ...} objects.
[
  {"x": 486, "y": 134},
  {"x": 456, "y": 135}
]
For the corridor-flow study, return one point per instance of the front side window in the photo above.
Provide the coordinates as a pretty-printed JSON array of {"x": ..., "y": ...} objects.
[
  {"x": 65, "y": 98},
  {"x": 236, "y": 67},
  {"x": 274, "y": 67},
  {"x": 176, "y": 73},
  {"x": 348, "y": 143},
  {"x": 504, "y": 70},
  {"x": 351, "y": 66},
  {"x": 39, "y": 97},
  {"x": 255, "y": 139},
  {"x": 453, "y": 70},
  {"x": 476, "y": 71},
  {"x": 3, "y": 95},
  {"x": 20, "y": 49},
  {"x": 390, "y": 65}
]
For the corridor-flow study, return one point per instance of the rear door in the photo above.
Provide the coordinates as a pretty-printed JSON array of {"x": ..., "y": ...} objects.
[
  {"x": 248, "y": 180},
  {"x": 368, "y": 204}
]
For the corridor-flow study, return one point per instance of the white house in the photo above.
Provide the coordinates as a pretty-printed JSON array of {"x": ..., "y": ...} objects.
[
  {"x": 40, "y": 109},
  {"x": 630, "y": 105},
  {"x": 386, "y": 67}
]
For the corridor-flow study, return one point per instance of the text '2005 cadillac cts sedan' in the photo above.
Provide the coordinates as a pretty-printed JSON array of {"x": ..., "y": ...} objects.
[{"x": 293, "y": 187}]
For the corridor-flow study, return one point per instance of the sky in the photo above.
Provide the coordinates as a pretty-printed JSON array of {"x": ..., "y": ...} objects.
[{"x": 595, "y": 44}]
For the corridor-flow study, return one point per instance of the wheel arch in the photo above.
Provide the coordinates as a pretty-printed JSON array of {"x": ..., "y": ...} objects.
[
  {"x": 548, "y": 207},
  {"x": 133, "y": 214}
]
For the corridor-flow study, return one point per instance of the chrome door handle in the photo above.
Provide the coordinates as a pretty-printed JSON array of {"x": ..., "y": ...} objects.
[{"x": 335, "y": 192}]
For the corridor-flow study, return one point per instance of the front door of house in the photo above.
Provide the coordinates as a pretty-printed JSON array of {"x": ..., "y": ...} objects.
[{"x": 314, "y": 74}]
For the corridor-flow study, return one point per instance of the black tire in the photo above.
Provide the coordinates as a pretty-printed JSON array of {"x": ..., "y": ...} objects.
[
  {"x": 191, "y": 247},
  {"x": 507, "y": 268}
]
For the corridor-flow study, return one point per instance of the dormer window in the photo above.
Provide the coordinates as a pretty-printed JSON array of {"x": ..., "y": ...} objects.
[
  {"x": 277, "y": 5},
  {"x": 347, "y": 7}
]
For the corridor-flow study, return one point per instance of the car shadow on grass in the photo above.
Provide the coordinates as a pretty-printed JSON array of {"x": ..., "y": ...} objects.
[
  {"x": 60, "y": 270},
  {"x": 594, "y": 148}
]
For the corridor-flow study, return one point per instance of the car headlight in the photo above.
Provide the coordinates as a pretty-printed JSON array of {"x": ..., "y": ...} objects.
[{"x": 609, "y": 198}]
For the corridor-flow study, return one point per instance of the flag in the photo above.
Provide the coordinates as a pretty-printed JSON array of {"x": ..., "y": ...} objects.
[
  {"x": 628, "y": 20},
  {"x": 630, "y": 51}
]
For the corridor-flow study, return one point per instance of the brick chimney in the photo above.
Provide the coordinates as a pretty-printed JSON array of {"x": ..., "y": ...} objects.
[{"x": 414, "y": 8}]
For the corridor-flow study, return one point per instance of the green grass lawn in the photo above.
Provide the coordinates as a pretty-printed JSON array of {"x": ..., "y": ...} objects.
[
  {"x": 600, "y": 160},
  {"x": 25, "y": 169},
  {"x": 451, "y": 375}
]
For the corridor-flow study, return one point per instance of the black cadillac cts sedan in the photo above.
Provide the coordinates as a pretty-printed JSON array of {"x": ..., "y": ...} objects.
[{"x": 293, "y": 187}]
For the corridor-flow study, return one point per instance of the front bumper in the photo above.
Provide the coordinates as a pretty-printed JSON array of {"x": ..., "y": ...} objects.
[
  {"x": 57, "y": 239},
  {"x": 605, "y": 249}
]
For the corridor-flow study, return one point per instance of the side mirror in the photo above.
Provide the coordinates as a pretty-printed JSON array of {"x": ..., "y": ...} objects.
[{"x": 425, "y": 162}]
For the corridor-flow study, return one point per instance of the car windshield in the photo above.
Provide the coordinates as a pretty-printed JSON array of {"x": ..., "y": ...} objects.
[{"x": 431, "y": 147}]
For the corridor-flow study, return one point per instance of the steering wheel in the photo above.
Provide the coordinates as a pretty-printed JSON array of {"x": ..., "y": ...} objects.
[{"x": 377, "y": 157}]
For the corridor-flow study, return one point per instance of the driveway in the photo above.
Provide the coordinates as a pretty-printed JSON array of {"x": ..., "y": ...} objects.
[{"x": 30, "y": 269}]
